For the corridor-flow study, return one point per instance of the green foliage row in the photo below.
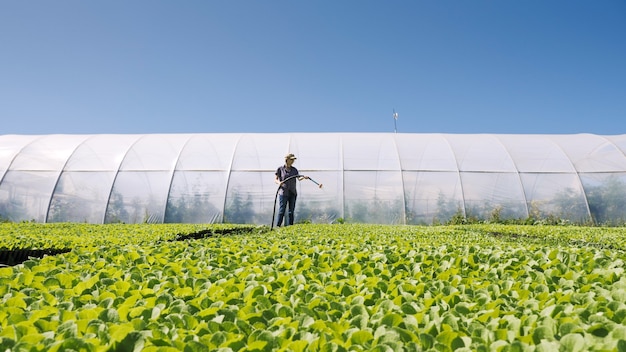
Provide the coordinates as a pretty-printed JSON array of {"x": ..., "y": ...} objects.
[
  {"x": 325, "y": 288},
  {"x": 580, "y": 236},
  {"x": 71, "y": 235}
]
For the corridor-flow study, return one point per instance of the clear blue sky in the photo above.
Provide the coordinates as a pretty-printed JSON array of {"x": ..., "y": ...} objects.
[{"x": 161, "y": 66}]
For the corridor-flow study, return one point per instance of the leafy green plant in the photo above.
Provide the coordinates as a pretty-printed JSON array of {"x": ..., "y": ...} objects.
[{"x": 322, "y": 288}]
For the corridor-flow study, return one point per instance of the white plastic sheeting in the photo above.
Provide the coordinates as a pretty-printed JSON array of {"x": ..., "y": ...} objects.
[{"x": 367, "y": 177}]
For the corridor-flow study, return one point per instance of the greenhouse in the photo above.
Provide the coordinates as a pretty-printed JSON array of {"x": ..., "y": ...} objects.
[{"x": 386, "y": 178}]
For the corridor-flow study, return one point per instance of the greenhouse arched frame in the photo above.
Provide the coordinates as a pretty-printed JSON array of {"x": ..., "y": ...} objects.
[{"x": 385, "y": 178}]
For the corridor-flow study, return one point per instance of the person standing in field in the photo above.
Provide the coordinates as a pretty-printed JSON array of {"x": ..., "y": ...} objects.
[{"x": 286, "y": 176}]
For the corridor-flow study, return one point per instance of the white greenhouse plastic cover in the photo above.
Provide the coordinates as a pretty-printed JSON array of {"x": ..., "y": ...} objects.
[{"x": 367, "y": 177}]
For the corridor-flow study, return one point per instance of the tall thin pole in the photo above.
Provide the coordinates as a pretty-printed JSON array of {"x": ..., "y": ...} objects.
[{"x": 395, "y": 118}]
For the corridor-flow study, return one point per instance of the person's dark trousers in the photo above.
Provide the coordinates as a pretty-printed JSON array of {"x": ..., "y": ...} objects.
[{"x": 286, "y": 201}]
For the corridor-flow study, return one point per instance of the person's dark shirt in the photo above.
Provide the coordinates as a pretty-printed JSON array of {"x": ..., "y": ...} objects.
[{"x": 283, "y": 173}]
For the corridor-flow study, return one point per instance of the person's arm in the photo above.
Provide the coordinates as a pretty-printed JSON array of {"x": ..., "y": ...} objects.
[
  {"x": 303, "y": 177},
  {"x": 277, "y": 179}
]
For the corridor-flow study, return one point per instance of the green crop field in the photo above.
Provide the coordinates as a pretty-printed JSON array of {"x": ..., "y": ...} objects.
[{"x": 313, "y": 288}]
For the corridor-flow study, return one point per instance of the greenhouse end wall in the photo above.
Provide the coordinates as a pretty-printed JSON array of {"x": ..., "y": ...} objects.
[{"x": 385, "y": 178}]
